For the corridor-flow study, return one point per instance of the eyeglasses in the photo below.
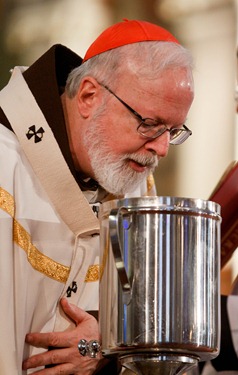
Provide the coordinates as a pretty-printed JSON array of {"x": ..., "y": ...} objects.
[{"x": 149, "y": 128}]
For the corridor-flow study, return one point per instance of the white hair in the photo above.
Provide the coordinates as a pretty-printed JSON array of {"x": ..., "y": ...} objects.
[{"x": 147, "y": 58}]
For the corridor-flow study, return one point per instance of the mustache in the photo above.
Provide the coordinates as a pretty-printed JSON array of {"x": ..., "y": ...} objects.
[{"x": 150, "y": 161}]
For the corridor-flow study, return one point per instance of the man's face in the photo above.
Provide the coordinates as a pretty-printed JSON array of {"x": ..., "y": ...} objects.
[{"x": 120, "y": 157}]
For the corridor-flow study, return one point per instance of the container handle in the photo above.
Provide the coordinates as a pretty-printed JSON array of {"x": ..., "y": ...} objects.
[{"x": 116, "y": 249}]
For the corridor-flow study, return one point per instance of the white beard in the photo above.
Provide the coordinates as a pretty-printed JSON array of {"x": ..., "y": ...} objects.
[{"x": 113, "y": 173}]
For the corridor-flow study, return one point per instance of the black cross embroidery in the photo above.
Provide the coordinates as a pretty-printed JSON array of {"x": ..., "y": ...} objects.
[
  {"x": 73, "y": 288},
  {"x": 38, "y": 134},
  {"x": 95, "y": 210}
]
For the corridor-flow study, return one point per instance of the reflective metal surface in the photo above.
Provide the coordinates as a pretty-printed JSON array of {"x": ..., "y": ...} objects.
[
  {"x": 161, "y": 364},
  {"x": 159, "y": 288}
]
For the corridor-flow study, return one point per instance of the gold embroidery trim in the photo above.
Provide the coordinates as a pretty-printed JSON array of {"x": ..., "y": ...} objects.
[
  {"x": 39, "y": 261},
  {"x": 7, "y": 202},
  {"x": 150, "y": 183},
  {"x": 96, "y": 271},
  {"x": 92, "y": 273},
  {"x": 21, "y": 237}
]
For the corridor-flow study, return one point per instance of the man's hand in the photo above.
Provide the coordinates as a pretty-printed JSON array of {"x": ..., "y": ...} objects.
[{"x": 65, "y": 356}]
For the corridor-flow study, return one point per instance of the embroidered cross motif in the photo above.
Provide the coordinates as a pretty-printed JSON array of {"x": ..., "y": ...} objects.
[
  {"x": 96, "y": 210},
  {"x": 38, "y": 134},
  {"x": 73, "y": 288}
]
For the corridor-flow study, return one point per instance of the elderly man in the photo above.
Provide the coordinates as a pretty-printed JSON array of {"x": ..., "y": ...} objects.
[{"x": 74, "y": 134}]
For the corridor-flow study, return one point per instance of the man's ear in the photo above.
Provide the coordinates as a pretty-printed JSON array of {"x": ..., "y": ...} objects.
[{"x": 87, "y": 96}]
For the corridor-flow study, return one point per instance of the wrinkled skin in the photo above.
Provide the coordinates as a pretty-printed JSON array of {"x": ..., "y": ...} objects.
[{"x": 66, "y": 356}]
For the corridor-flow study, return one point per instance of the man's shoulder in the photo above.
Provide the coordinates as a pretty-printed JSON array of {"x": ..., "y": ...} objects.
[
  {"x": 7, "y": 136},
  {"x": 10, "y": 150}
]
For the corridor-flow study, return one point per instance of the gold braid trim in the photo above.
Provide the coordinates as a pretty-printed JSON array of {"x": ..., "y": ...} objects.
[
  {"x": 150, "y": 183},
  {"x": 92, "y": 273},
  {"x": 39, "y": 261},
  {"x": 7, "y": 202},
  {"x": 21, "y": 237}
]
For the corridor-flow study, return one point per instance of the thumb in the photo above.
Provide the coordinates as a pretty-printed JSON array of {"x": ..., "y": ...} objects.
[{"x": 73, "y": 312}]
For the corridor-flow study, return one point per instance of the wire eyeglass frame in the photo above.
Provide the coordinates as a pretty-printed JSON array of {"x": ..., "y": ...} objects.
[{"x": 150, "y": 129}]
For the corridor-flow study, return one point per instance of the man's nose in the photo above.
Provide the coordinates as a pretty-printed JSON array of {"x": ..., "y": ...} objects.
[{"x": 159, "y": 145}]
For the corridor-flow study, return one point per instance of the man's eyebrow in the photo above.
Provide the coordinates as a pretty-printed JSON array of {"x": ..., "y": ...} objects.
[{"x": 160, "y": 120}]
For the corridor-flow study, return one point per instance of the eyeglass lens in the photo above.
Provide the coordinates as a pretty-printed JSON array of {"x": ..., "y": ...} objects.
[{"x": 177, "y": 135}]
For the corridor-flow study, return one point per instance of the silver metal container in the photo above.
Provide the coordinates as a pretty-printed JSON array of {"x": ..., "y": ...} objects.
[{"x": 159, "y": 285}]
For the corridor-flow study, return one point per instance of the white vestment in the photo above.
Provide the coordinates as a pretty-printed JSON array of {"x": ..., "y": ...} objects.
[{"x": 49, "y": 234}]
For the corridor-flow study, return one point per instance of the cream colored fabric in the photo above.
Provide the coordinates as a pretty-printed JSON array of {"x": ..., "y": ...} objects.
[
  {"x": 50, "y": 167},
  {"x": 46, "y": 227},
  {"x": 44, "y": 246},
  {"x": 40, "y": 258}
]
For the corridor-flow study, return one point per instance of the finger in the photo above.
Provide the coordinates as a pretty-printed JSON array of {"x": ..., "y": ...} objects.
[
  {"x": 64, "y": 361},
  {"x": 74, "y": 312},
  {"x": 53, "y": 339},
  {"x": 53, "y": 357},
  {"x": 63, "y": 368}
]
